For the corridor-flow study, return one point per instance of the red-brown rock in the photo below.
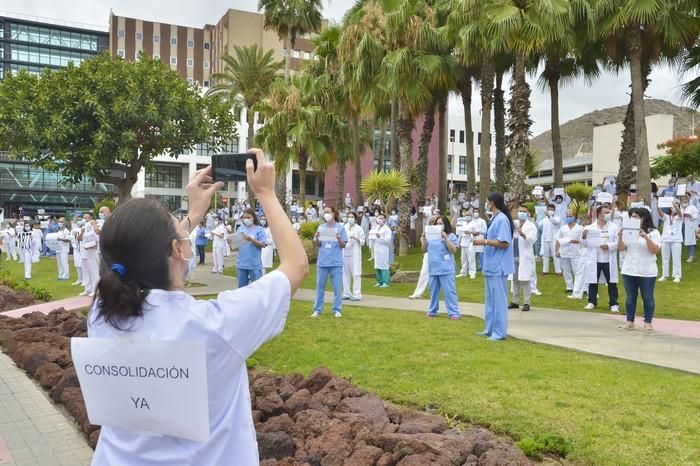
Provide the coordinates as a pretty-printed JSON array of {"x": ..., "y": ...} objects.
[{"x": 48, "y": 374}]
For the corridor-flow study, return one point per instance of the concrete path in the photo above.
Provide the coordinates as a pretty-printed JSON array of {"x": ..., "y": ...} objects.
[
  {"x": 675, "y": 344},
  {"x": 69, "y": 304}
]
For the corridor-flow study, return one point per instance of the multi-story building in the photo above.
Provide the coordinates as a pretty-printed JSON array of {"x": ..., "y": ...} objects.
[{"x": 32, "y": 44}]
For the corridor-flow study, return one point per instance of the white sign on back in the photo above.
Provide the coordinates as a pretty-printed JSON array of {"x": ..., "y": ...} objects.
[
  {"x": 681, "y": 189},
  {"x": 559, "y": 192},
  {"x": 666, "y": 201},
  {"x": 604, "y": 198},
  {"x": 148, "y": 387}
]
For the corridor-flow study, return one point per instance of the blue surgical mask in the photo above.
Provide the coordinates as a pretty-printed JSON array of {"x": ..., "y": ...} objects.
[
  {"x": 247, "y": 221},
  {"x": 468, "y": 218},
  {"x": 570, "y": 220},
  {"x": 522, "y": 216}
]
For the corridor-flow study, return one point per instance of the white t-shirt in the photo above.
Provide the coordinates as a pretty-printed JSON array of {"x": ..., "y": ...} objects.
[
  {"x": 219, "y": 230},
  {"x": 63, "y": 246},
  {"x": 567, "y": 249},
  {"x": 233, "y": 326},
  {"x": 639, "y": 262}
]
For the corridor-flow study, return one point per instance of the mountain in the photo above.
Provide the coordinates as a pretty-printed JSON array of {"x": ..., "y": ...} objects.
[{"x": 577, "y": 134}]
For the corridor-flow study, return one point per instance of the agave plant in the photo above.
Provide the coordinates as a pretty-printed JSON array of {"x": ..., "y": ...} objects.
[
  {"x": 579, "y": 194},
  {"x": 385, "y": 186}
]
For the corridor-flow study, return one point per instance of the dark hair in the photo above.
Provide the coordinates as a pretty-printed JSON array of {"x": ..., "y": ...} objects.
[
  {"x": 654, "y": 188},
  {"x": 599, "y": 209},
  {"x": 647, "y": 222},
  {"x": 250, "y": 211},
  {"x": 551, "y": 206},
  {"x": 353, "y": 214},
  {"x": 499, "y": 201},
  {"x": 90, "y": 214},
  {"x": 138, "y": 236}
]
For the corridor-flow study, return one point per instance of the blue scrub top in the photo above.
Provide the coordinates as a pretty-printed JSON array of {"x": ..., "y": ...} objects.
[
  {"x": 499, "y": 261},
  {"x": 202, "y": 239},
  {"x": 249, "y": 254},
  {"x": 330, "y": 254},
  {"x": 440, "y": 260}
]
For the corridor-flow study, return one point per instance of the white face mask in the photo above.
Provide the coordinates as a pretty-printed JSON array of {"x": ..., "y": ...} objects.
[
  {"x": 327, "y": 217},
  {"x": 247, "y": 221},
  {"x": 351, "y": 221},
  {"x": 476, "y": 214},
  {"x": 380, "y": 221}
]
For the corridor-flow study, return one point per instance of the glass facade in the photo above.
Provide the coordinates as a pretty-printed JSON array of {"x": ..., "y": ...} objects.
[
  {"x": 315, "y": 185},
  {"x": 204, "y": 150},
  {"x": 172, "y": 203},
  {"x": 46, "y": 56},
  {"x": 164, "y": 176},
  {"x": 387, "y": 149},
  {"x": 53, "y": 36}
]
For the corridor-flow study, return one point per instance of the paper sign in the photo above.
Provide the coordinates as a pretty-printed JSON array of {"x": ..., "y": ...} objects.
[
  {"x": 40, "y": 211},
  {"x": 630, "y": 230},
  {"x": 604, "y": 198},
  {"x": 427, "y": 211},
  {"x": 237, "y": 240},
  {"x": 666, "y": 201},
  {"x": 681, "y": 189},
  {"x": 637, "y": 205},
  {"x": 559, "y": 192},
  {"x": 433, "y": 232},
  {"x": 328, "y": 234},
  {"x": 150, "y": 387},
  {"x": 538, "y": 191}
]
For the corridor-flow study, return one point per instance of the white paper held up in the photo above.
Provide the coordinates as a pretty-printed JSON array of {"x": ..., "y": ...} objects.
[
  {"x": 666, "y": 201},
  {"x": 630, "y": 230},
  {"x": 328, "y": 234},
  {"x": 433, "y": 232},
  {"x": 237, "y": 240}
]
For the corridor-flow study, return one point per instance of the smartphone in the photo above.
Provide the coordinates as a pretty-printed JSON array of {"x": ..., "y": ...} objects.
[{"x": 231, "y": 167}]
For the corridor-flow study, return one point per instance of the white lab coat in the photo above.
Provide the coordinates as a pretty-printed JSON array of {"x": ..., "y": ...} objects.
[
  {"x": 690, "y": 223},
  {"x": 62, "y": 249},
  {"x": 37, "y": 237},
  {"x": 477, "y": 225},
  {"x": 590, "y": 255},
  {"x": 353, "y": 248},
  {"x": 381, "y": 242},
  {"x": 267, "y": 253},
  {"x": 526, "y": 255}
]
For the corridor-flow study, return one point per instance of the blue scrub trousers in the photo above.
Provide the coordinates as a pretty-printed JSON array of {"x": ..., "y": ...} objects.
[
  {"x": 247, "y": 276},
  {"x": 447, "y": 284},
  {"x": 336, "y": 274},
  {"x": 479, "y": 261},
  {"x": 496, "y": 306}
]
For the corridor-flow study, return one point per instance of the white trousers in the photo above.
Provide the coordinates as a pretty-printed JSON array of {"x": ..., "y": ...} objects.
[
  {"x": 219, "y": 252},
  {"x": 91, "y": 272},
  {"x": 671, "y": 251},
  {"x": 350, "y": 275},
  {"x": 533, "y": 279},
  {"x": 423, "y": 278},
  {"x": 568, "y": 267},
  {"x": 27, "y": 256},
  {"x": 468, "y": 260},
  {"x": 578, "y": 267},
  {"x": 517, "y": 285},
  {"x": 548, "y": 250},
  {"x": 62, "y": 262},
  {"x": 10, "y": 250}
]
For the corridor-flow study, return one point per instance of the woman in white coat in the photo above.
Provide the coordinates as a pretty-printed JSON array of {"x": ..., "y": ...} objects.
[
  {"x": 690, "y": 225},
  {"x": 352, "y": 259},
  {"x": 600, "y": 241},
  {"x": 671, "y": 242},
  {"x": 267, "y": 254},
  {"x": 381, "y": 242},
  {"x": 524, "y": 239}
]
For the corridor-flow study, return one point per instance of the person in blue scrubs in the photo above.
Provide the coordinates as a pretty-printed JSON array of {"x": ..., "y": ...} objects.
[
  {"x": 498, "y": 264},
  {"x": 330, "y": 262},
  {"x": 441, "y": 268},
  {"x": 201, "y": 242},
  {"x": 248, "y": 262}
]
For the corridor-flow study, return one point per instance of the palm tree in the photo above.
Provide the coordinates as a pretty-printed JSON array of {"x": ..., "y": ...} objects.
[
  {"x": 503, "y": 63},
  {"x": 662, "y": 24},
  {"x": 690, "y": 62},
  {"x": 465, "y": 79}
]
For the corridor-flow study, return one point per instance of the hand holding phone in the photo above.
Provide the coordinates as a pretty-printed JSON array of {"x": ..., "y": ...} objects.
[{"x": 232, "y": 167}]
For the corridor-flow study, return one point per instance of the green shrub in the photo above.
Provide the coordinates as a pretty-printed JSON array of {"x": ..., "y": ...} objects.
[
  {"x": 108, "y": 202},
  {"x": 547, "y": 443},
  {"x": 41, "y": 294},
  {"x": 308, "y": 229}
]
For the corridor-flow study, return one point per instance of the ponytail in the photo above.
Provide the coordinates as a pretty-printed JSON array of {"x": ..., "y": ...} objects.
[
  {"x": 120, "y": 299},
  {"x": 499, "y": 201}
]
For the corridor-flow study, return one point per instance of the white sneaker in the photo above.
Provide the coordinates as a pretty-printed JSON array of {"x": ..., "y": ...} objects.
[
  {"x": 472, "y": 277},
  {"x": 91, "y": 295},
  {"x": 460, "y": 275},
  {"x": 338, "y": 315},
  {"x": 690, "y": 259},
  {"x": 537, "y": 293},
  {"x": 574, "y": 297},
  {"x": 315, "y": 315},
  {"x": 677, "y": 280},
  {"x": 662, "y": 279},
  {"x": 615, "y": 308},
  {"x": 413, "y": 297},
  {"x": 84, "y": 293},
  {"x": 589, "y": 306},
  {"x": 76, "y": 283}
]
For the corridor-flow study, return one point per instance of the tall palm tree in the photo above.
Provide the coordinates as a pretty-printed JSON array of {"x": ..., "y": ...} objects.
[
  {"x": 691, "y": 62},
  {"x": 662, "y": 24},
  {"x": 246, "y": 79},
  {"x": 503, "y": 63},
  {"x": 465, "y": 79}
]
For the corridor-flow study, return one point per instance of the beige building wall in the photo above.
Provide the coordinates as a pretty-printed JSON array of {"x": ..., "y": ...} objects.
[{"x": 607, "y": 140}]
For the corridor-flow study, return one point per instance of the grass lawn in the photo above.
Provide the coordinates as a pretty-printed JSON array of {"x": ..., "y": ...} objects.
[
  {"x": 44, "y": 275},
  {"x": 614, "y": 412},
  {"x": 673, "y": 300}
]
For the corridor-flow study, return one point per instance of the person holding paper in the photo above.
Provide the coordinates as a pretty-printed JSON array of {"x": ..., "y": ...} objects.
[
  {"x": 600, "y": 241},
  {"x": 441, "y": 248},
  {"x": 332, "y": 239},
  {"x": 352, "y": 259},
  {"x": 249, "y": 259},
  {"x": 671, "y": 241},
  {"x": 524, "y": 238},
  {"x": 639, "y": 270},
  {"x": 75, "y": 244},
  {"x": 690, "y": 224},
  {"x": 62, "y": 249},
  {"x": 478, "y": 228},
  {"x": 568, "y": 249},
  {"x": 88, "y": 254},
  {"x": 381, "y": 238},
  {"x": 498, "y": 264},
  {"x": 467, "y": 255},
  {"x": 142, "y": 297},
  {"x": 549, "y": 226},
  {"x": 219, "y": 247}
]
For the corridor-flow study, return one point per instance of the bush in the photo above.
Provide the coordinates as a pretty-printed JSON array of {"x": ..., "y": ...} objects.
[
  {"x": 308, "y": 229},
  {"x": 579, "y": 194},
  {"x": 41, "y": 294},
  {"x": 108, "y": 202},
  {"x": 546, "y": 444}
]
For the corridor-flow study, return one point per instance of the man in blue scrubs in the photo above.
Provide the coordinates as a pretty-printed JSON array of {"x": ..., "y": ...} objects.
[{"x": 498, "y": 264}]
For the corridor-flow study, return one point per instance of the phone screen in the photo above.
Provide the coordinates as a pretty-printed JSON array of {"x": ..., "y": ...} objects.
[{"x": 231, "y": 167}]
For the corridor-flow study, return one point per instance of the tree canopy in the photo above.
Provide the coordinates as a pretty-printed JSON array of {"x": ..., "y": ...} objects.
[
  {"x": 683, "y": 157},
  {"x": 107, "y": 119}
]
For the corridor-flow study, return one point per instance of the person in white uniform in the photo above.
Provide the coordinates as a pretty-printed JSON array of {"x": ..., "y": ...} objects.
[
  {"x": 218, "y": 234},
  {"x": 75, "y": 244},
  {"x": 600, "y": 239},
  {"x": 524, "y": 239},
  {"x": 352, "y": 259},
  {"x": 37, "y": 238},
  {"x": 478, "y": 229},
  {"x": 568, "y": 249},
  {"x": 9, "y": 239},
  {"x": 142, "y": 296},
  {"x": 382, "y": 242},
  {"x": 467, "y": 256},
  {"x": 62, "y": 249},
  {"x": 549, "y": 226},
  {"x": 267, "y": 254},
  {"x": 26, "y": 249},
  {"x": 690, "y": 225},
  {"x": 88, "y": 254},
  {"x": 671, "y": 242}
]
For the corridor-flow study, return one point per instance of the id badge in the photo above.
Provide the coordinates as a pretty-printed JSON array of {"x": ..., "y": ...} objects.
[
  {"x": 446, "y": 257},
  {"x": 328, "y": 245}
]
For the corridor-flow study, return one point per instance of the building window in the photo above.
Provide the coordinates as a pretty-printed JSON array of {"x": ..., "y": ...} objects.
[
  {"x": 190, "y": 81},
  {"x": 156, "y": 39},
  {"x": 190, "y": 43},
  {"x": 172, "y": 203},
  {"x": 452, "y": 135},
  {"x": 120, "y": 33},
  {"x": 449, "y": 163},
  {"x": 190, "y": 63},
  {"x": 206, "y": 46},
  {"x": 205, "y": 150},
  {"x": 206, "y": 64},
  {"x": 206, "y": 83},
  {"x": 295, "y": 53},
  {"x": 139, "y": 36},
  {"x": 121, "y": 53},
  {"x": 461, "y": 137},
  {"x": 156, "y": 56},
  {"x": 173, "y": 41},
  {"x": 173, "y": 60},
  {"x": 164, "y": 176},
  {"x": 307, "y": 55},
  {"x": 462, "y": 165}
]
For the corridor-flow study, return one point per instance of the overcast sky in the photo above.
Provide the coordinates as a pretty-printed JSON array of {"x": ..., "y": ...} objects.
[{"x": 575, "y": 100}]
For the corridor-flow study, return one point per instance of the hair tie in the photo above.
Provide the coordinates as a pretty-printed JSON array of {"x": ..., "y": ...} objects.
[{"x": 120, "y": 269}]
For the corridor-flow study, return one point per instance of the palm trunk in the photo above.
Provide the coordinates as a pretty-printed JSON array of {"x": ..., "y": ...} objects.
[
  {"x": 640, "y": 127},
  {"x": 421, "y": 180},
  {"x": 250, "y": 119},
  {"x": 303, "y": 162},
  {"x": 499, "y": 123},
  {"x": 442, "y": 153},
  {"x": 382, "y": 145},
  {"x": 340, "y": 185},
  {"x": 395, "y": 160},
  {"x": 466, "y": 92},
  {"x": 554, "y": 74},
  {"x": 405, "y": 126},
  {"x": 485, "y": 146},
  {"x": 519, "y": 126},
  {"x": 627, "y": 158},
  {"x": 288, "y": 55},
  {"x": 357, "y": 159}
]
